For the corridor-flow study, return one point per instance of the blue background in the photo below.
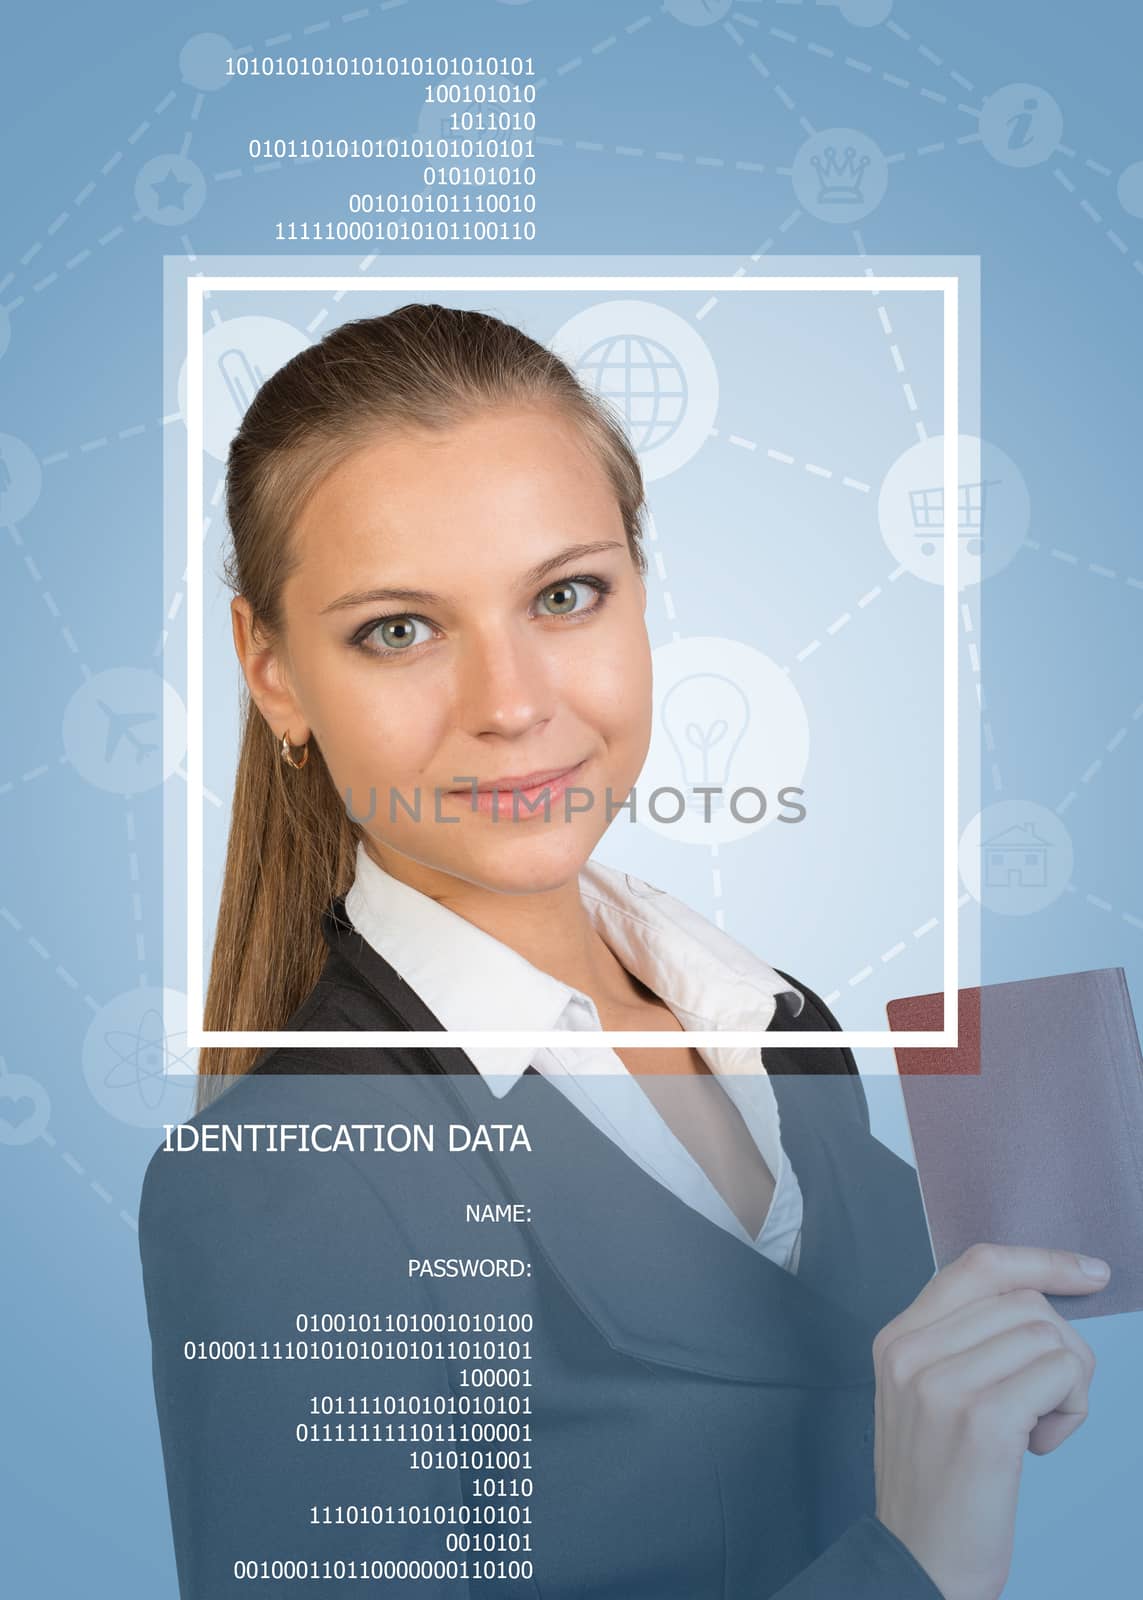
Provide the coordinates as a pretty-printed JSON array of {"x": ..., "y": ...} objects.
[{"x": 81, "y": 903}]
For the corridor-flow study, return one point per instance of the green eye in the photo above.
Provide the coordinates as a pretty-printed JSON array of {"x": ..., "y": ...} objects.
[
  {"x": 399, "y": 632},
  {"x": 562, "y": 595},
  {"x": 391, "y": 635}
]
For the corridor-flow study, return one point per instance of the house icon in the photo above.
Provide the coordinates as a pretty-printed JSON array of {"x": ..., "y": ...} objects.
[{"x": 1015, "y": 858}]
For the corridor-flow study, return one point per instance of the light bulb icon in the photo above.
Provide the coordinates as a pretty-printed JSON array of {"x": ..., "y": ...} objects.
[{"x": 705, "y": 716}]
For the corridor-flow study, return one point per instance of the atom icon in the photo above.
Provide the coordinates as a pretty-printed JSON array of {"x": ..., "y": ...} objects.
[{"x": 136, "y": 1059}]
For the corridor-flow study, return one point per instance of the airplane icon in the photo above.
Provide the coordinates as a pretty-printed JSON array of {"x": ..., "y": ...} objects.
[{"x": 119, "y": 725}]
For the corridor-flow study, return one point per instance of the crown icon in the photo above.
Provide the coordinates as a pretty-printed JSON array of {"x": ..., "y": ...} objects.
[{"x": 840, "y": 179}]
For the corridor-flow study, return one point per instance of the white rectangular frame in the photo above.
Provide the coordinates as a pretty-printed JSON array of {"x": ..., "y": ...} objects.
[{"x": 197, "y": 289}]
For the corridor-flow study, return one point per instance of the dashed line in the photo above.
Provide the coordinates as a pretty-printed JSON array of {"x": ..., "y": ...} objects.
[
  {"x": 41, "y": 284},
  {"x": 929, "y": 55},
  {"x": 88, "y": 189},
  {"x": 32, "y": 774},
  {"x": 1090, "y": 211},
  {"x": 781, "y": 94},
  {"x": 781, "y": 456},
  {"x": 929, "y": 149},
  {"x": 1069, "y": 558},
  {"x": 894, "y": 349},
  {"x": 767, "y": 245},
  {"x": 49, "y": 601},
  {"x": 969, "y": 626},
  {"x": 593, "y": 146},
  {"x": 1096, "y": 766},
  {"x": 597, "y": 49},
  {"x": 44, "y": 954},
  {"x": 97, "y": 1188},
  {"x": 893, "y": 952},
  {"x": 313, "y": 27},
  {"x": 660, "y": 567},
  {"x": 1100, "y": 904},
  {"x": 1093, "y": 166},
  {"x": 833, "y": 628},
  {"x": 104, "y": 440},
  {"x": 177, "y": 598},
  {"x": 136, "y": 897},
  {"x": 207, "y": 794},
  {"x": 867, "y": 68}
]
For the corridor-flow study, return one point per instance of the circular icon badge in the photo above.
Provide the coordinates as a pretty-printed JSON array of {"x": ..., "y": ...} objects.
[
  {"x": 1020, "y": 125},
  {"x": 170, "y": 190},
  {"x": 202, "y": 61},
  {"x": 24, "y": 1108},
  {"x": 654, "y": 371},
  {"x": 125, "y": 730},
  {"x": 238, "y": 355},
  {"x": 728, "y": 721},
  {"x": 1130, "y": 189},
  {"x": 1015, "y": 857},
  {"x": 840, "y": 175},
  {"x": 866, "y": 13},
  {"x": 136, "y": 1061},
  {"x": 991, "y": 517}
]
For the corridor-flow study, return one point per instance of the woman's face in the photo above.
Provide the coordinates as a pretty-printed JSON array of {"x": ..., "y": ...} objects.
[{"x": 446, "y": 628}]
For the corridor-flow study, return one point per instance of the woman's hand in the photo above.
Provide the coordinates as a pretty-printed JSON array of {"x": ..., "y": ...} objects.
[{"x": 977, "y": 1370}]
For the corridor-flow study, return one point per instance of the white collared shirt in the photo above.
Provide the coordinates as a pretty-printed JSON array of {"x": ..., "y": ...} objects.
[{"x": 470, "y": 980}]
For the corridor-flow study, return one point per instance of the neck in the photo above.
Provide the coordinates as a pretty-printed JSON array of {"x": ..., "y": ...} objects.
[{"x": 548, "y": 927}]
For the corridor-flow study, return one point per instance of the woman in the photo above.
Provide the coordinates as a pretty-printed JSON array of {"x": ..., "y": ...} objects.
[{"x": 748, "y": 1381}]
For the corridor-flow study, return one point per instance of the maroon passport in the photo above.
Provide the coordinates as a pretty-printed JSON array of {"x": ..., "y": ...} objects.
[{"x": 1031, "y": 1131}]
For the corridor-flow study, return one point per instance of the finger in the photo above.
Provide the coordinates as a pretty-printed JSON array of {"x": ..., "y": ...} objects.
[
  {"x": 905, "y": 1354},
  {"x": 1017, "y": 1404},
  {"x": 956, "y": 1380},
  {"x": 991, "y": 1269},
  {"x": 1051, "y": 1430}
]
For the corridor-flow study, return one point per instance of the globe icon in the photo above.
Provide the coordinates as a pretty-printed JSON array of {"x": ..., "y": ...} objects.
[{"x": 643, "y": 381}]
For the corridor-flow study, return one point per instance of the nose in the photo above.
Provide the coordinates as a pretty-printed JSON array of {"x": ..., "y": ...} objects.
[{"x": 506, "y": 687}]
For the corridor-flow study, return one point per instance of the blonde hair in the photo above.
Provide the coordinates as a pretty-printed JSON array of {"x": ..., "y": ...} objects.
[{"x": 292, "y": 845}]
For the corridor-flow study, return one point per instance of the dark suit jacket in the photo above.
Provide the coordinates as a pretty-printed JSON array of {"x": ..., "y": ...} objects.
[{"x": 700, "y": 1420}]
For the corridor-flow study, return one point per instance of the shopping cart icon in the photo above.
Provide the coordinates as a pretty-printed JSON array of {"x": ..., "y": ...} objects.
[{"x": 928, "y": 507}]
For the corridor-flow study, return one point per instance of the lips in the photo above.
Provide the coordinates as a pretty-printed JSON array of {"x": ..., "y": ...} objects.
[{"x": 527, "y": 780}]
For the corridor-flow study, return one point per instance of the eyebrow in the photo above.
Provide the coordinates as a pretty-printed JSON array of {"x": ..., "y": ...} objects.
[{"x": 425, "y": 597}]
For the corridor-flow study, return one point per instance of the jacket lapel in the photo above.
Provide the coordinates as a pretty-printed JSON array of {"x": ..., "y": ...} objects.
[{"x": 659, "y": 1281}]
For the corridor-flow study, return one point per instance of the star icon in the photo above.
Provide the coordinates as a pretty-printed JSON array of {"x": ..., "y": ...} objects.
[{"x": 170, "y": 192}]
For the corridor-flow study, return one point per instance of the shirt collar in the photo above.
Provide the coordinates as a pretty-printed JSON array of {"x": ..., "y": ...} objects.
[{"x": 469, "y": 980}]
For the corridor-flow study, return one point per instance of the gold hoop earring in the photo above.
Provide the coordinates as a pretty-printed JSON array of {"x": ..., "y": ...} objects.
[{"x": 288, "y": 758}]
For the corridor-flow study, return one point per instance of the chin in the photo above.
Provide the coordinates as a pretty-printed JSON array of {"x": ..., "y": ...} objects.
[{"x": 527, "y": 865}]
